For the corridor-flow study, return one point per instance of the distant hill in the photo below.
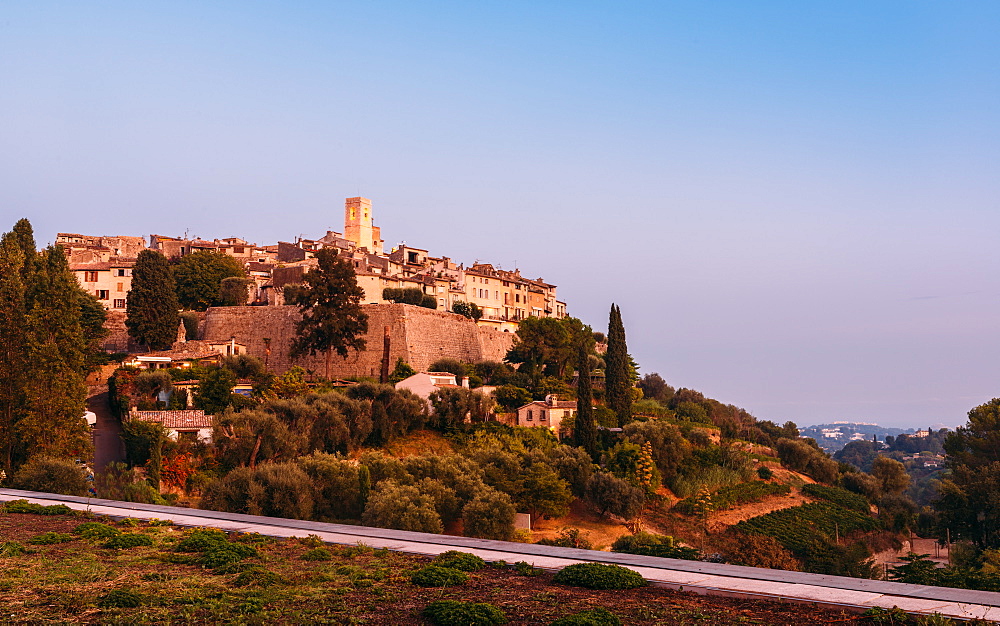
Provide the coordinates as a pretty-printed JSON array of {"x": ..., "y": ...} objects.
[{"x": 833, "y": 437}]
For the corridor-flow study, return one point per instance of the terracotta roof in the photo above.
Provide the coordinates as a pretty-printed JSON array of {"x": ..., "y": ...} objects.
[{"x": 194, "y": 418}]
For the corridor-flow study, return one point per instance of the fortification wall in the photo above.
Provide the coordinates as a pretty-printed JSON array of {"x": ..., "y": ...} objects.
[{"x": 420, "y": 336}]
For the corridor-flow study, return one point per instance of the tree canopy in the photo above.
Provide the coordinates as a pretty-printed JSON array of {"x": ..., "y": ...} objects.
[
  {"x": 152, "y": 310},
  {"x": 332, "y": 319},
  {"x": 199, "y": 275}
]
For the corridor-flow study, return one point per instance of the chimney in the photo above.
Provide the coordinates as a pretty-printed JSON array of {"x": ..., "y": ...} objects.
[
  {"x": 465, "y": 382},
  {"x": 551, "y": 399}
]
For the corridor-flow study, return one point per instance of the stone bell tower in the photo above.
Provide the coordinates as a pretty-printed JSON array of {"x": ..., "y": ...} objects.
[{"x": 358, "y": 225}]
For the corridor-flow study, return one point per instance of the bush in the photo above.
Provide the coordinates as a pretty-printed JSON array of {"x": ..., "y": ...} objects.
[
  {"x": 49, "y": 538},
  {"x": 593, "y": 617},
  {"x": 463, "y": 561},
  {"x": 733, "y": 495},
  {"x": 754, "y": 550},
  {"x": 23, "y": 506},
  {"x": 120, "y": 599},
  {"x": 51, "y": 475},
  {"x": 96, "y": 530},
  {"x": 610, "y": 494},
  {"x": 456, "y": 613},
  {"x": 128, "y": 540},
  {"x": 12, "y": 548},
  {"x": 272, "y": 489},
  {"x": 599, "y": 576},
  {"x": 568, "y": 538},
  {"x": 318, "y": 554},
  {"x": 838, "y": 496},
  {"x": 202, "y": 540},
  {"x": 490, "y": 515},
  {"x": 258, "y": 577},
  {"x": 226, "y": 554},
  {"x": 435, "y": 576},
  {"x": 765, "y": 472},
  {"x": 402, "y": 507},
  {"x": 650, "y": 544}
]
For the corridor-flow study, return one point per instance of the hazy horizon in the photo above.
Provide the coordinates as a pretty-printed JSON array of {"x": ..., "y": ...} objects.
[{"x": 793, "y": 204}]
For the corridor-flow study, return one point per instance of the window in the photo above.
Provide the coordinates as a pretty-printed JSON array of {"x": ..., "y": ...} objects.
[
  {"x": 119, "y": 303},
  {"x": 90, "y": 277},
  {"x": 530, "y": 418},
  {"x": 103, "y": 294},
  {"x": 121, "y": 286},
  {"x": 238, "y": 250},
  {"x": 496, "y": 295},
  {"x": 541, "y": 416}
]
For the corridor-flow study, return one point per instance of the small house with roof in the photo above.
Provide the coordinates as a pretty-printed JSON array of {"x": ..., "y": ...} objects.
[
  {"x": 548, "y": 413},
  {"x": 190, "y": 425}
]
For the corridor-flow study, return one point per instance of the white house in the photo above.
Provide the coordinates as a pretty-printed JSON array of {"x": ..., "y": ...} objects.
[
  {"x": 424, "y": 384},
  {"x": 191, "y": 425},
  {"x": 548, "y": 413}
]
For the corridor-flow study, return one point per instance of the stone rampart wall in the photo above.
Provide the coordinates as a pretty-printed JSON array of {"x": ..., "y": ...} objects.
[{"x": 420, "y": 336}]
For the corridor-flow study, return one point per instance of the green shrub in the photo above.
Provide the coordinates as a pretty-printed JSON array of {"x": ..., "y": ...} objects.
[
  {"x": 765, "y": 473},
  {"x": 841, "y": 497},
  {"x": 463, "y": 561},
  {"x": 523, "y": 568},
  {"x": 318, "y": 554},
  {"x": 568, "y": 538},
  {"x": 202, "y": 540},
  {"x": 12, "y": 548},
  {"x": 49, "y": 538},
  {"x": 253, "y": 538},
  {"x": 650, "y": 544},
  {"x": 593, "y": 617},
  {"x": 733, "y": 495},
  {"x": 51, "y": 475},
  {"x": 258, "y": 577},
  {"x": 128, "y": 540},
  {"x": 435, "y": 576},
  {"x": 23, "y": 506},
  {"x": 456, "y": 613},
  {"x": 599, "y": 576},
  {"x": 798, "y": 527},
  {"x": 96, "y": 530},
  {"x": 120, "y": 598},
  {"x": 224, "y": 554}
]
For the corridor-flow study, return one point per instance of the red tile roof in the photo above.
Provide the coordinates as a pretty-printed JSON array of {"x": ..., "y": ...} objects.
[{"x": 194, "y": 418}]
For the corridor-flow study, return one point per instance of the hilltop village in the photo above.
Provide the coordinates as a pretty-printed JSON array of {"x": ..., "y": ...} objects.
[{"x": 103, "y": 265}]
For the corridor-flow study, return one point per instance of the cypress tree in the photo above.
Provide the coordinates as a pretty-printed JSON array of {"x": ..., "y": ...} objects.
[
  {"x": 55, "y": 393},
  {"x": 585, "y": 430},
  {"x": 12, "y": 346},
  {"x": 152, "y": 317},
  {"x": 618, "y": 378}
]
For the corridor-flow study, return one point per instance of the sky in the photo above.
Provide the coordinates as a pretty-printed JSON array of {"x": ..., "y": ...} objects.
[{"x": 795, "y": 204}]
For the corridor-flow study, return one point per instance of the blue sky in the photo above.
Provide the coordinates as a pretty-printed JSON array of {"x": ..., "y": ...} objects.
[{"x": 794, "y": 204}]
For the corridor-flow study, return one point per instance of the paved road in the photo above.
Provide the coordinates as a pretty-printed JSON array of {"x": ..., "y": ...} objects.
[
  {"x": 108, "y": 447},
  {"x": 705, "y": 578}
]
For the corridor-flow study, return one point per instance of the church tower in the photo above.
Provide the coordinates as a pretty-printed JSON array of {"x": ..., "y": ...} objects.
[{"x": 358, "y": 225}]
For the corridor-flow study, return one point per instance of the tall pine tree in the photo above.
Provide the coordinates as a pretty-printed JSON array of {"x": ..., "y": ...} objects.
[
  {"x": 585, "y": 428},
  {"x": 55, "y": 392},
  {"x": 13, "y": 346},
  {"x": 152, "y": 316},
  {"x": 332, "y": 319},
  {"x": 618, "y": 373}
]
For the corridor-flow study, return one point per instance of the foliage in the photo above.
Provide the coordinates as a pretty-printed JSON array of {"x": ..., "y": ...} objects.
[
  {"x": 568, "y": 538},
  {"x": 797, "y": 527},
  {"x": 233, "y": 291},
  {"x": 592, "y": 617},
  {"x": 436, "y": 576},
  {"x": 670, "y": 449},
  {"x": 410, "y": 295},
  {"x": 257, "y": 577},
  {"x": 732, "y": 496},
  {"x": 753, "y": 550},
  {"x": 618, "y": 375},
  {"x": 120, "y": 599},
  {"x": 141, "y": 440},
  {"x": 547, "y": 344},
  {"x": 585, "y": 426},
  {"x": 650, "y": 544},
  {"x": 464, "y": 561},
  {"x": 23, "y": 506},
  {"x": 151, "y": 309},
  {"x": 401, "y": 371},
  {"x": 199, "y": 278},
  {"x": 12, "y": 548},
  {"x": 119, "y": 482},
  {"x": 510, "y": 398},
  {"x": 271, "y": 489},
  {"x": 891, "y": 475},
  {"x": 542, "y": 492},
  {"x": 457, "y": 613},
  {"x": 490, "y": 515},
  {"x": 453, "y": 407},
  {"x": 49, "y": 538},
  {"x": 332, "y": 319},
  {"x": 51, "y": 475},
  {"x": 402, "y": 507},
  {"x": 215, "y": 390},
  {"x": 96, "y": 530},
  {"x": 611, "y": 494},
  {"x": 317, "y": 554},
  {"x": 128, "y": 540},
  {"x": 468, "y": 309},
  {"x": 336, "y": 486},
  {"x": 190, "y": 321},
  {"x": 838, "y": 496},
  {"x": 227, "y": 553},
  {"x": 765, "y": 472},
  {"x": 803, "y": 455},
  {"x": 599, "y": 576},
  {"x": 249, "y": 437},
  {"x": 290, "y": 384},
  {"x": 201, "y": 540}
]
